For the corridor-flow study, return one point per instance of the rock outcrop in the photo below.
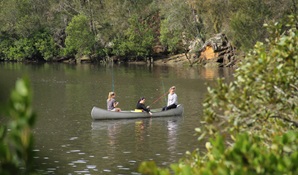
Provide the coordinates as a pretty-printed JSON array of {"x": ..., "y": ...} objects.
[{"x": 217, "y": 51}]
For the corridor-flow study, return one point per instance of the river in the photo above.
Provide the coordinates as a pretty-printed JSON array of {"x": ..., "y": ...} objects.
[{"x": 68, "y": 141}]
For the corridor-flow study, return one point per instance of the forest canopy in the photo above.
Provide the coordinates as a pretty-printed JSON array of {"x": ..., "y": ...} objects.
[{"x": 48, "y": 30}]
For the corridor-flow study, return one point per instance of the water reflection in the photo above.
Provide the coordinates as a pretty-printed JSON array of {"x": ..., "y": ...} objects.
[
  {"x": 69, "y": 142},
  {"x": 112, "y": 133},
  {"x": 147, "y": 136},
  {"x": 172, "y": 135},
  {"x": 193, "y": 72}
]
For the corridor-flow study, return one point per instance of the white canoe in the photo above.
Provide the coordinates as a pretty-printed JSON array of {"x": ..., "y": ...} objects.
[{"x": 102, "y": 114}]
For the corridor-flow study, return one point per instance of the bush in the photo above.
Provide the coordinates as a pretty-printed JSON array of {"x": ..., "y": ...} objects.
[
  {"x": 259, "y": 110},
  {"x": 16, "y": 139},
  {"x": 80, "y": 39}
]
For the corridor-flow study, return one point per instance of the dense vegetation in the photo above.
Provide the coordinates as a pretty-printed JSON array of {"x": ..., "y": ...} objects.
[
  {"x": 49, "y": 30},
  {"x": 16, "y": 138},
  {"x": 252, "y": 122}
]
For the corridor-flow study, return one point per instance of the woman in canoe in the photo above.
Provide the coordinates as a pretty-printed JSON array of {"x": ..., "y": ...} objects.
[
  {"x": 141, "y": 105},
  {"x": 172, "y": 99},
  {"x": 111, "y": 102}
]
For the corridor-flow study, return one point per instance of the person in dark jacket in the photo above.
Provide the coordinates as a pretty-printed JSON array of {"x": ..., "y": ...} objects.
[{"x": 141, "y": 105}]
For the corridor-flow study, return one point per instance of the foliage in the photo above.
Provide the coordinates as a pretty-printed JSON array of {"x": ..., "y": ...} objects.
[
  {"x": 248, "y": 155},
  {"x": 16, "y": 140},
  {"x": 79, "y": 38},
  {"x": 45, "y": 45},
  {"x": 169, "y": 38},
  {"x": 247, "y": 23},
  {"x": 40, "y": 46},
  {"x": 138, "y": 39},
  {"x": 113, "y": 23},
  {"x": 214, "y": 14},
  {"x": 21, "y": 49},
  {"x": 179, "y": 26},
  {"x": 259, "y": 110},
  {"x": 264, "y": 95},
  {"x": 5, "y": 44}
]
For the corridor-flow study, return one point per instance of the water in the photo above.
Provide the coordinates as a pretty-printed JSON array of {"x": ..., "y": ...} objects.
[{"x": 67, "y": 141}]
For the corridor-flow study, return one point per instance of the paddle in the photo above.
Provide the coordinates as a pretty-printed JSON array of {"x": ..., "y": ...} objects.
[{"x": 158, "y": 99}]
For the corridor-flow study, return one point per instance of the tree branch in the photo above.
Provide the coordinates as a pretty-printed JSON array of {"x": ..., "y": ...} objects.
[{"x": 295, "y": 123}]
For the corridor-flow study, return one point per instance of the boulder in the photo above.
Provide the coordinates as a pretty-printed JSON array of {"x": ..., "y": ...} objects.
[{"x": 217, "y": 50}]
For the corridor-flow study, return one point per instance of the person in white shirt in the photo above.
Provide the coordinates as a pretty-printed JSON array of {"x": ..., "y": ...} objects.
[{"x": 172, "y": 99}]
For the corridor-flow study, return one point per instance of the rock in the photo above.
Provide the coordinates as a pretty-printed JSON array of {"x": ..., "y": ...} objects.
[{"x": 217, "y": 49}]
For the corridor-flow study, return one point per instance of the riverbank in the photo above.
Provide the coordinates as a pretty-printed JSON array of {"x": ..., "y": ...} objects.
[{"x": 179, "y": 59}]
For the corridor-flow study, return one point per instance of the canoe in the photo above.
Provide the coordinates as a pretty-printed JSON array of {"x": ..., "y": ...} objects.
[{"x": 102, "y": 114}]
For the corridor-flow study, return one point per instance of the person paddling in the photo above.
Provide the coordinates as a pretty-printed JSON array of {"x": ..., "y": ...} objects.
[
  {"x": 172, "y": 99},
  {"x": 111, "y": 102},
  {"x": 141, "y": 105}
]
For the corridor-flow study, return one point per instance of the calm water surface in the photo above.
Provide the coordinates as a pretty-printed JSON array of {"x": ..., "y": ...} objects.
[{"x": 69, "y": 142}]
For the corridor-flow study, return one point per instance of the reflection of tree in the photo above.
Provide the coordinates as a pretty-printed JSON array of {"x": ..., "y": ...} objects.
[
  {"x": 215, "y": 72},
  {"x": 112, "y": 133},
  {"x": 209, "y": 73},
  {"x": 140, "y": 127},
  {"x": 172, "y": 135}
]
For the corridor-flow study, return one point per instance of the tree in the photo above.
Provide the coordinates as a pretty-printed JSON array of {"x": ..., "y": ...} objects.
[
  {"x": 138, "y": 39},
  {"x": 258, "y": 110},
  {"x": 23, "y": 18},
  {"x": 45, "y": 46},
  {"x": 79, "y": 38},
  {"x": 264, "y": 95},
  {"x": 180, "y": 26}
]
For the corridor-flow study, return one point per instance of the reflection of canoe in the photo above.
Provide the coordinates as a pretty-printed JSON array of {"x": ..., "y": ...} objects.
[
  {"x": 101, "y": 114},
  {"x": 105, "y": 124}
]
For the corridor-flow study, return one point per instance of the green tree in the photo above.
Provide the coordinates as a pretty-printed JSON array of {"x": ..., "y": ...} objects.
[
  {"x": 21, "y": 50},
  {"x": 23, "y": 18},
  {"x": 215, "y": 15},
  {"x": 138, "y": 39},
  {"x": 172, "y": 23},
  {"x": 16, "y": 139},
  {"x": 45, "y": 46},
  {"x": 258, "y": 110},
  {"x": 248, "y": 155},
  {"x": 40, "y": 46},
  {"x": 180, "y": 25},
  {"x": 264, "y": 95},
  {"x": 79, "y": 38}
]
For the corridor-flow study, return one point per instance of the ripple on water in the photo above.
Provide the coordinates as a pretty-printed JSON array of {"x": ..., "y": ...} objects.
[
  {"x": 123, "y": 168},
  {"x": 82, "y": 171},
  {"x": 80, "y": 161},
  {"x": 91, "y": 166},
  {"x": 132, "y": 162},
  {"x": 73, "y": 151},
  {"x": 73, "y": 138},
  {"x": 51, "y": 169}
]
